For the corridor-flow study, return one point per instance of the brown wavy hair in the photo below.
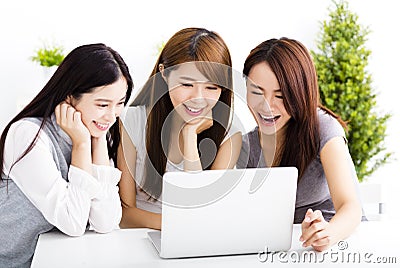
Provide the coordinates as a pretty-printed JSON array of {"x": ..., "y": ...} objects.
[
  {"x": 204, "y": 48},
  {"x": 295, "y": 71}
]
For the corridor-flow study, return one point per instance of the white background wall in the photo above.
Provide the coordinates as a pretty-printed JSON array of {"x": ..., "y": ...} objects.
[{"x": 134, "y": 28}]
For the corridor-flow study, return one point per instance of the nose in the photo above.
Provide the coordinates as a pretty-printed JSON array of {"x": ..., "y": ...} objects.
[
  {"x": 197, "y": 93},
  {"x": 269, "y": 103},
  {"x": 111, "y": 115}
]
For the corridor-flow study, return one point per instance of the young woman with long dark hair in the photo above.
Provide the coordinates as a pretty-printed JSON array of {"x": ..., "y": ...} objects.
[
  {"x": 57, "y": 154},
  {"x": 294, "y": 129}
]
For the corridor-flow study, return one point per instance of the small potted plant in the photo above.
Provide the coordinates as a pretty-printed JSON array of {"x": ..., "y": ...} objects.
[{"x": 50, "y": 57}]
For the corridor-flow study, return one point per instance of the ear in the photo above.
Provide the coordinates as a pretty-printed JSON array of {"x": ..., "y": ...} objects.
[
  {"x": 70, "y": 100},
  {"x": 161, "y": 69}
]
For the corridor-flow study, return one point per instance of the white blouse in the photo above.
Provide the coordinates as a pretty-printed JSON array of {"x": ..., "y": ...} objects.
[{"x": 66, "y": 205}]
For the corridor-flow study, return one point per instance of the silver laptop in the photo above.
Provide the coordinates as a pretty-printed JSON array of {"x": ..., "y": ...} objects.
[{"x": 226, "y": 212}]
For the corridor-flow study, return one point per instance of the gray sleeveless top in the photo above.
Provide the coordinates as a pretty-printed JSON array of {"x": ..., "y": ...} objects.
[
  {"x": 21, "y": 222},
  {"x": 312, "y": 189}
]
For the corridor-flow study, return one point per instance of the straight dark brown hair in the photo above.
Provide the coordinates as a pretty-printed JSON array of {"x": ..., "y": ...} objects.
[
  {"x": 187, "y": 45},
  {"x": 295, "y": 71}
]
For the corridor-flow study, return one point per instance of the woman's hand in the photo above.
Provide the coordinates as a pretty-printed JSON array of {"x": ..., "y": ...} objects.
[
  {"x": 100, "y": 151},
  {"x": 198, "y": 125},
  {"x": 189, "y": 135},
  {"x": 70, "y": 121},
  {"x": 315, "y": 231}
]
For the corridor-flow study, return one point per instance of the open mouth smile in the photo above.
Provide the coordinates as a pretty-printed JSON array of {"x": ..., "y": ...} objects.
[
  {"x": 269, "y": 120},
  {"x": 192, "y": 110},
  {"x": 101, "y": 126}
]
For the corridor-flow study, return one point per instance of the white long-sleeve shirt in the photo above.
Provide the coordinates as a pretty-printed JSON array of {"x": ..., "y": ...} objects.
[{"x": 66, "y": 205}]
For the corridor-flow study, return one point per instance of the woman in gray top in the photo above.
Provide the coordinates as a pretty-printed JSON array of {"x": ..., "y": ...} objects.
[{"x": 294, "y": 129}]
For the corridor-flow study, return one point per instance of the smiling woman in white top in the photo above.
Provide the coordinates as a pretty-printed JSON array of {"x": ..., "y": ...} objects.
[
  {"x": 180, "y": 120},
  {"x": 56, "y": 155}
]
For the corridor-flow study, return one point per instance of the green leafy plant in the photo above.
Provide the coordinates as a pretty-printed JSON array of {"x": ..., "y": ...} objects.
[
  {"x": 345, "y": 87},
  {"x": 159, "y": 47},
  {"x": 49, "y": 56}
]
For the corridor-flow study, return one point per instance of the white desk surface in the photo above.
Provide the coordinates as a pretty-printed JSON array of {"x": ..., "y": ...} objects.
[{"x": 372, "y": 242}]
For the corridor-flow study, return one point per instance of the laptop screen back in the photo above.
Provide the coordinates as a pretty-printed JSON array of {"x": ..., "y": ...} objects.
[{"x": 219, "y": 212}]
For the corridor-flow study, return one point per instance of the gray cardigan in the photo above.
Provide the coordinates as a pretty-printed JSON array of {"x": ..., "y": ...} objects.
[{"x": 21, "y": 222}]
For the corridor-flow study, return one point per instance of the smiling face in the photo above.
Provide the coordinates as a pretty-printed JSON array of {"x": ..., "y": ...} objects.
[
  {"x": 265, "y": 100},
  {"x": 101, "y": 107},
  {"x": 192, "y": 95}
]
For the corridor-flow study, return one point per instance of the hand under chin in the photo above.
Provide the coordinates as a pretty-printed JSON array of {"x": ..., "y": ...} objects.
[{"x": 195, "y": 121}]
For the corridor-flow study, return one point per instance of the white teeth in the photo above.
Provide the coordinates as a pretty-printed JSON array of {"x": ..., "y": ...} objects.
[
  {"x": 103, "y": 126},
  {"x": 193, "y": 110},
  {"x": 271, "y": 117}
]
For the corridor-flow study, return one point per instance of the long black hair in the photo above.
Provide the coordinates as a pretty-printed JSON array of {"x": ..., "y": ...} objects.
[{"x": 83, "y": 69}]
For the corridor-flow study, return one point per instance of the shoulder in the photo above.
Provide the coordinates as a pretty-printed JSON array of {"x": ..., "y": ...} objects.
[
  {"x": 234, "y": 129},
  {"x": 22, "y": 133},
  {"x": 251, "y": 137},
  {"x": 134, "y": 116},
  {"x": 133, "y": 113},
  {"x": 26, "y": 127},
  {"x": 329, "y": 124},
  {"x": 134, "y": 120},
  {"x": 250, "y": 147},
  {"x": 329, "y": 127}
]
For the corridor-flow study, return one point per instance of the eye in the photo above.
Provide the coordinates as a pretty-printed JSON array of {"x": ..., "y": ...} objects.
[
  {"x": 279, "y": 97},
  {"x": 102, "y": 105},
  {"x": 121, "y": 103},
  {"x": 187, "y": 85},
  {"x": 212, "y": 87},
  {"x": 257, "y": 93}
]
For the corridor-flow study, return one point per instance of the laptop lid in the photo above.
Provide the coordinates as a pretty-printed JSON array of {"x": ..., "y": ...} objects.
[{"x": 220, "y": 212}]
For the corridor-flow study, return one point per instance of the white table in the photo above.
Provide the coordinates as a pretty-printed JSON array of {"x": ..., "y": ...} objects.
[{"x": 372, "y": 242}]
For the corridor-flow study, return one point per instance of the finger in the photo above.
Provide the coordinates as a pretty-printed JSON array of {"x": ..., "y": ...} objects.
[
  {"x": 316, "y": 216},
  {"x": 205, "y": 124},
  {"x": 70, "y": 113},
  {"x": 63, "y": 113},
  {"x": 57, "y": 112},
  {"x": 68, "y": 100},
  {"x": 209, "y": 115},
  {"x": 208, "y": 122},
  {"x": 312, "y": 229},
  {"x": 325, "y": 241},
  {"x": 309, "y": 213},
  {"x": 305, "y": 223},
  {"x": 77, "y": 117},
  {"x": 316, "y": 236},
  {"x": 314, "y": 232},
  {"x": 319, "y": 240},
  {"x": 321, "y": 248},
  {"x": 307, "y": 219},
  {"x": 194, "y": 121}
]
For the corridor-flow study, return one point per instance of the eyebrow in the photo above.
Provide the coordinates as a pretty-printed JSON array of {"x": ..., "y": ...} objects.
[
  {"x": 260, "y": 88},
  {"x": 107, "y": 100},
  {"x": 193, "y": 80}
]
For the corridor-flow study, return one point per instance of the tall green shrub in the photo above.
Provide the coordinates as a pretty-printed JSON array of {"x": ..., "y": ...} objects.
[{"x": 345, "y": 87}]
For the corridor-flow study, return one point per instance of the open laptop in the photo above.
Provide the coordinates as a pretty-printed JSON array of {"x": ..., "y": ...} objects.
[{"x": 226, "y": 212}]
